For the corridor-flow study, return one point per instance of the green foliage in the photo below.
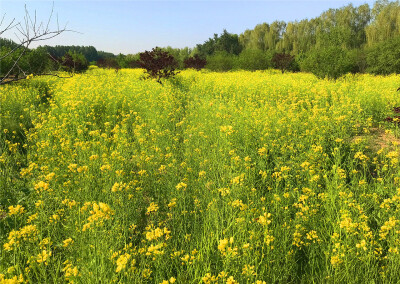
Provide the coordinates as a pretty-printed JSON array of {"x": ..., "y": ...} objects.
[
  {"x": 89, "y": 52},
  {"x": 132, "y": 59},
  {"x": 221, "y": 61},
  {"x": 344, "y": 26},
  {"x": 4, "y": 42},
  {"x": 103, "y": 54},
  {"x": 358, "y": 58},
  {"x": 385, "y": 24},
  {"x": 226, "y": 42},
  {"x": 384, "y": 57},
  {"x": 36, "y": 61},
  {"x": 342, "y": 32},
  {"x": 121, "y": 60},
  {"x": 356, "y": 34},
  {"x": 331, "y": 62},
  {"x": 253, "y": 59},
  {"x": 7, "y": 62},
  {"x": 180, "y": 55},
  {"x": 33, "y": 61},
  {"x": 74, "y": 61}
]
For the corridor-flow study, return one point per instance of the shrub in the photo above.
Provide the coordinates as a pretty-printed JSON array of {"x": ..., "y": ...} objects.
[
  {"x": 221, "y": 61},
  {"x": 358, "y": 60},
  {"x": 36, "y": 61},
  {"x": 253, "y": 59},
  {"x": 331, "y": 62},
  {"x": 159, "y": 64}
]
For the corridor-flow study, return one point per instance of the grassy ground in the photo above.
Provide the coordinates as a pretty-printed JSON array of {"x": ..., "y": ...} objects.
[{"x": 212, "y": 177}]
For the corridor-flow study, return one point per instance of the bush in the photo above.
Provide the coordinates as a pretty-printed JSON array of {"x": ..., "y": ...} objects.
[
  {"x": 159, "y": 64},
  {"x": 36, "y": 61},
  {"x": 253, "y": 59},
  {"x": 221, "y": 61},
  {"x": 358, "y": 58},
  {"x": 331, "y": 62}
]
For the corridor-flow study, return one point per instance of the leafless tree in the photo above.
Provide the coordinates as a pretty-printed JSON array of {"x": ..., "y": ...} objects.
[{"x": 28, "y": 31}]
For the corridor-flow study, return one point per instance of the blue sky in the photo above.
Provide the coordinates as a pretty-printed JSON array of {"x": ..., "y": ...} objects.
[{"x": 133, "y": 26}]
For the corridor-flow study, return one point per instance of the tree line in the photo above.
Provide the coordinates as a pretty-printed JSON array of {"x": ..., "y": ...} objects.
[{"x": 349, "y": 39}]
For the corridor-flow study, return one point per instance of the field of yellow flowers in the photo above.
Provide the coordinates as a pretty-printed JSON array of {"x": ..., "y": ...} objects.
[{"x": 238, "y": 177}]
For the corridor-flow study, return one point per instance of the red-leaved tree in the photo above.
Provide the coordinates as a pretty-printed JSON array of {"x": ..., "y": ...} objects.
[
  {"x": 282, "y": 61},
  {"x": 158, "y": 63}
]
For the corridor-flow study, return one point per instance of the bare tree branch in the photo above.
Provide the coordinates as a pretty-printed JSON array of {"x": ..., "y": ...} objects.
[
  {"x": 29, "y": 31},
  {"x": 9, "y": 27},
  {"x": 51, "y": 15},
  {"x": 15, "y": 63}
]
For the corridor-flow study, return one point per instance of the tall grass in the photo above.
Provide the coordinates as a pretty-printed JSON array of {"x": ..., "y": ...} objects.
[{"x": 237, "y": 177}]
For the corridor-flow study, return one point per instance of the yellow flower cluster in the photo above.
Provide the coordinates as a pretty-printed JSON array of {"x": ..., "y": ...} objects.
[
  {"x": 26, "y": 233},
  {"x": 15, "y": 210},
  {"x": 100, "y": 212}
]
